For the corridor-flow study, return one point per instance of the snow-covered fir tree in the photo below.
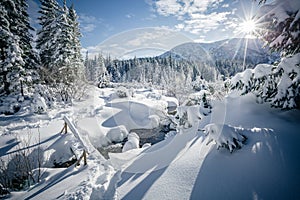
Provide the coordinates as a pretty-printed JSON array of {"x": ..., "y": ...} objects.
[
  {"x": 282, "y": 33},
  {"x": 279, "y": 26},
  {"x": 64, "y": 53},
  {"x": 76, "y": 45},
  {"x": 59, "y": 45},
  {"x": 280, "y": 83},
  {"x": 48, "y": 36},
  {"x": 18, "y": 59}
]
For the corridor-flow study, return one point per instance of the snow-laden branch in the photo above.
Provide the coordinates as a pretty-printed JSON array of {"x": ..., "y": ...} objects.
[{"x": 224, "y": 136}]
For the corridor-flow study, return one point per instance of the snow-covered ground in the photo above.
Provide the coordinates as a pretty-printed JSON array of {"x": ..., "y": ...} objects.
[{"x": 183, "y": 166}]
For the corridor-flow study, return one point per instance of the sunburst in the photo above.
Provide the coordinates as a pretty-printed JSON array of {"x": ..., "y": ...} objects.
[{"x": 248, "y": 26}]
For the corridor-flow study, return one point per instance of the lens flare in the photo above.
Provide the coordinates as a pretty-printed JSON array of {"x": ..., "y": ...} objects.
[{"x": 248, "y": 27}]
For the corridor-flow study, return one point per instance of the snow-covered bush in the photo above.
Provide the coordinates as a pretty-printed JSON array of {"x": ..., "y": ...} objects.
[
  {"x": 103, "y": 81},
  {"x": 202, "y": 99},
  {"x": 3, "y": 191},
  {"x": 122, "y": 92},
  {"x": 38, "y": 104},
  {"x": 10, "y": 105},
  {"x": 197, "y": 98},
  {"x": 22, "y": 167},
  {"x": 47, "y": 93},
  {"x": 133, "y": 142},
  {"x": 199, "y": 84},
  {"x": 117, "y": 134},
  {"x": 242, "y": 81},
  {"x": 224, "y": 136},
  {"x": 187, "y": 116}
]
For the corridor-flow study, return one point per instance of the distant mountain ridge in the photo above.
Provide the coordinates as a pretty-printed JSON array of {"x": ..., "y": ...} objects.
[{"x": 226, "y": 55}]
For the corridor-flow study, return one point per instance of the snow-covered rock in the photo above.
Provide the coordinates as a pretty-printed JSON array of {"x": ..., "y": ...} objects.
[
  {"x": 132, "y": 143},
  {"x": 117, "y": 134},
  {"x": 146, "y": 145}
]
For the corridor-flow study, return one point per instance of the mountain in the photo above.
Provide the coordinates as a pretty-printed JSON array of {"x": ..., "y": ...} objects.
[
  {"x": 188, "y": 51},
  {"x": 227, "y": 56}
]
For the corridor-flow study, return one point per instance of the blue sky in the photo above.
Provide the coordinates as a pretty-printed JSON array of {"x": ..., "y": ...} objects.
[{"x": 112, "y": 23}]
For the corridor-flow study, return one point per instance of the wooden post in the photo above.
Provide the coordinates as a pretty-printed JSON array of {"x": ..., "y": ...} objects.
[
  {"x": 84, "y": 157},
  {"x": 77, "y": 135},
  {"x": 65, "y": 128}
]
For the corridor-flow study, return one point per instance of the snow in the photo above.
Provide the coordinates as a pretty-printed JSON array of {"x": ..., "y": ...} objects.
[
  {"x": 117, "y": 134},
  {"x": 133, "y": 142},
  {"x": 186, "y": 165},
  {"x": 262, "y": 70},
  {"x": 193, "y": 169},
  {"x": 39, "y": 104},
  {"x": 279, "y": 9},
  {"x": 224, "y": 136}
]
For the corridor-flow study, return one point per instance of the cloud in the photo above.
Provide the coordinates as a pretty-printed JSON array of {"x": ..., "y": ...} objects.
[
  {"x": 195, "y": 16},
  {"x": 88, "y": 23},
  {"x": 139, "y": 41},
  {"x": 33, "y": 9},
  {"x": 88, "y": 28},
  {"x": 182, "y": 7},
  {"x": 130, "y": 15}
]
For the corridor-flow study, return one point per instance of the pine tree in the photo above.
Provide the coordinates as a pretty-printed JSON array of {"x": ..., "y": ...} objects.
[
  {"x": 12, "y": 63},
  {"x": 30, "y": 56},
  {"x": 5, "y": 36},
  {"x": 59, "y": 42},
  {"x": 75, "y": 40},
  {"x": 64, "y": 53},
  {"x": 281, "y": 31},
  {"x": 48, "y": 36},
  {"x": 280, "y": 26}
]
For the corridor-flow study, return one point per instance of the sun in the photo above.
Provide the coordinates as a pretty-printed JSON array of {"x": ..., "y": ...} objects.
[{"x": 248, "y": 26}]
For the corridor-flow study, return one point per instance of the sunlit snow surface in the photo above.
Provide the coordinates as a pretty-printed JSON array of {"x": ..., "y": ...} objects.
[{"x": 180, "y": 167}]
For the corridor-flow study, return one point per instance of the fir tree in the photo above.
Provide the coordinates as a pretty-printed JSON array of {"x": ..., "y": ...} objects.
[
  {"x": 281, "y": 31},
  {"x": 75, "y": 40},
  {"x": 48, "y": 36},
  {"x": 280, "y": 26},
  {"x": 59, "y": 42},
  {"x": 17, "y": 56}
]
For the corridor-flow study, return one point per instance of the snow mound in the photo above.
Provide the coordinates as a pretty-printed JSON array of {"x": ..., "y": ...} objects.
[
  {"x": 224, "y": 136},
  {"x": 117, "y": 134},
  {"x": 132, "y": 143}
]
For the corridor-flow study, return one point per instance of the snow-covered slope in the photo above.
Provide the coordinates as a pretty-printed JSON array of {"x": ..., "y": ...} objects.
[
  {"x": 186, "y": 168},
  {"x": 182, "y": 166}
]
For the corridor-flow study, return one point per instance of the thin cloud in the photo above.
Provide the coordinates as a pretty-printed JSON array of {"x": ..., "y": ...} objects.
[
  {"x": 88, "y": 23},
  {"x": 130, "y": 15},
  {"x": 195, "y": 16},
  {"x": 182, "y": 7},
  {"x": 155, "y": 38},
  {"x": 33, "y": 9}
]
